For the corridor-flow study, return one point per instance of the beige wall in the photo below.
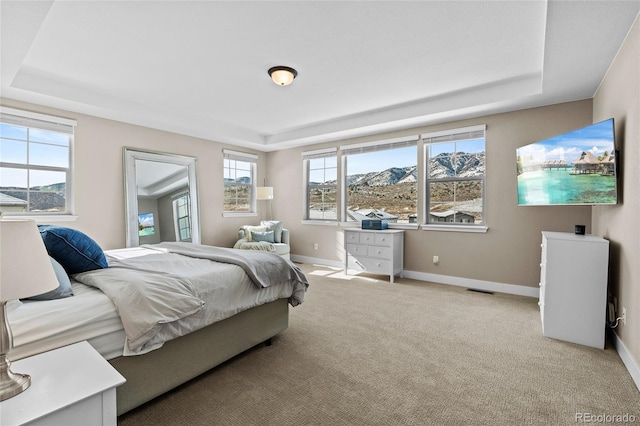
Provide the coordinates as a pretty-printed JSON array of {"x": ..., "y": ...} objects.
[
  {"x": 508, "y": 253},
  {"x": 619, "y": 97},
  {"x": 99, "y": 182}
]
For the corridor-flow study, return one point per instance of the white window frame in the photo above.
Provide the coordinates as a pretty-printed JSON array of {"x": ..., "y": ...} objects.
[
  {"x": 176, "y": 217},
  {"x": 249, "y": 158},
  {"x": 306, "y": 157},
  {"x": 51, "y": 123},
  {"x": 452, "y": 135},
  {"x": 362, "y": 148}
]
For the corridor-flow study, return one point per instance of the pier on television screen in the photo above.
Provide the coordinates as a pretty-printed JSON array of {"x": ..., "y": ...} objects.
[{"x": 574, "y": 168}]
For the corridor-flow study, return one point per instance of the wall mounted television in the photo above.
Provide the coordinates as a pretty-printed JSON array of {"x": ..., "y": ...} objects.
[
  {"x": 146, "y": 226},
  {"x": 574, "y": 168}
]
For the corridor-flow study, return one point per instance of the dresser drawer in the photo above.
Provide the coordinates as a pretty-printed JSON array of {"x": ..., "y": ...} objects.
[
  {"x": 383, "y": 240},
  {"x": 380, "y": 252},
  {"x": 376, "y": 265},
  {"x": 352, "y": 237},
  {"x": 367, "y": 238},
  {"x": 357, "y": 249}
]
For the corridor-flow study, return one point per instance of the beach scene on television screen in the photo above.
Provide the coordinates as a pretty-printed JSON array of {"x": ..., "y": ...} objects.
[
  {"x": 574, "y": 168},
  {"x": 145, "y": 225}
]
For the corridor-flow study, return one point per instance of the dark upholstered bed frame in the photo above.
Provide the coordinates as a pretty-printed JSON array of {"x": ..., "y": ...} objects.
[{"x": 186, "y": 357}]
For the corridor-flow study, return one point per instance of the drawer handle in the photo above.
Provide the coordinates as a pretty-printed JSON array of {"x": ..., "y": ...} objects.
[
  {"x": 379, "y": 264},
  {"x": 541, "y": 265},
  {"x": 378, "y": 252},
  {"x": 540, "y": 304}
]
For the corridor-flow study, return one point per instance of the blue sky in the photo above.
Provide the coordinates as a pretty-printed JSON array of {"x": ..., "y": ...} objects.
[
  {"x": 381, "y": 160},
  {"x": 47, "y": 148},
  {"x": 596, "y": 138},
  {"x": 146, "y": 219}
]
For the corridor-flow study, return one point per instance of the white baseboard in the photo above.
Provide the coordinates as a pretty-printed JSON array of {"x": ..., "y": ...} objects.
[
  {"x": 440, "y": 279},
  {"x": 474, "y": 284},
  {"x": 627, "y": 358},
  {"x": 317, "y": 260}
]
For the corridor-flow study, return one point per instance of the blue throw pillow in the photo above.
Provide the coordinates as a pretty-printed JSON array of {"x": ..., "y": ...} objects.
[
  {"x": 262, "y": 236},
  {"x": 64, "y": 284},
  {"x": 75, "y": 251}
]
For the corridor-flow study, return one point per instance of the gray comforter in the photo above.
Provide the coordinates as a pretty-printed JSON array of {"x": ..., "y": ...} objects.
[
  {"x": 183, "y": 287},
  {"x": 264, "y": 269}
]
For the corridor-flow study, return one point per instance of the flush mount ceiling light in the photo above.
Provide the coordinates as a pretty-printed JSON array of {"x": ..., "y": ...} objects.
[{"x": 282, "y": 76}]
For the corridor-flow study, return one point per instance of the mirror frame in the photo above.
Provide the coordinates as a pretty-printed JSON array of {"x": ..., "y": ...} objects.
[{"x": 131, "y": 191}]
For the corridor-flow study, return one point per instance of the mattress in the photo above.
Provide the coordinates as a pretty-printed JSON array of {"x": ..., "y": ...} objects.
[{"x": 40, "y": 326}]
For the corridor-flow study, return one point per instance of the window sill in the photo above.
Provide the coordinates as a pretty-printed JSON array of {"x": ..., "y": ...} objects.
[
  {"x": 238, "y": 214},
  {"x": 43, "y": 218},
  {"x": 456, "y": 228},
  {"x": 320, "y": 222},
  {"x": 391, "y": 225}
]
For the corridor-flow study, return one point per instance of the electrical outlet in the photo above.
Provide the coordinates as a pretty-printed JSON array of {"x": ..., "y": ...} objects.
[
  {"x": 315, "y": 246},
  {"x": 436, "y": 260},
  {"x": 624, "y": 316}
]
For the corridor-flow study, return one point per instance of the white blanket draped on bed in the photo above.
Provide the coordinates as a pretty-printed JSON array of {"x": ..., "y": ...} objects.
[{"x": 182, "y": 287}]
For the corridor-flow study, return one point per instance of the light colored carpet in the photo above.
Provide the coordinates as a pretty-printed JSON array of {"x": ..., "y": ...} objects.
[{"x": 362, "y": 351}]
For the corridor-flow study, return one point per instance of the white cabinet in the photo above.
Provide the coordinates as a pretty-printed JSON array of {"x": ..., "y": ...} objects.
[
  {"x": 72, "y": 385},
  {"x": 379, "y": 252},
  {"x": 573, "y": 287}
]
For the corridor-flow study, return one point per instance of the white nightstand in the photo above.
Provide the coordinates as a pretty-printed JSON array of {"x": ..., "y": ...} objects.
[{"x": 72, "y": 385}]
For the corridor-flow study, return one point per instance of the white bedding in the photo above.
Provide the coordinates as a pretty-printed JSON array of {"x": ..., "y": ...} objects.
[{"x": 39, "y": 326}]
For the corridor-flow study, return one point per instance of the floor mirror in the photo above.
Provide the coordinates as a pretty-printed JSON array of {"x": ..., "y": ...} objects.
[{"x": 161, "y": 197}]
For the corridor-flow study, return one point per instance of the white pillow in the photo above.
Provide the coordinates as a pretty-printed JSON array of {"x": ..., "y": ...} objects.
[
  {"x": 276, "y": 226},
  {"x": 248, "y": 229}
]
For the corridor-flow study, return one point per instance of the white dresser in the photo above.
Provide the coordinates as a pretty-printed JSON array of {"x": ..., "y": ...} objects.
[
  {"x": 573, "y": 287},
  {"x": 72, "y": 385},
  {"x": 379, "y": 252}
]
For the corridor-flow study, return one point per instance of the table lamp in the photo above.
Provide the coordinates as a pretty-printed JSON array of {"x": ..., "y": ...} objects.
[{"x": 25, "y": 270}]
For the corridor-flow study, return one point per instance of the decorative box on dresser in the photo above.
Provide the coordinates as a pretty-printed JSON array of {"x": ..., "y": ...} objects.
[
  {"x": 72, "y": 385},
  {"x": 573, "y": 287},
  {"x": 376, "y": 251}
]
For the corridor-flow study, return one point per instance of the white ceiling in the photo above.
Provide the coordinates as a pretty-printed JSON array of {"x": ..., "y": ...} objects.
[
  {"x": 155, "y": 179},
  {"x": 200, "y": 68}
]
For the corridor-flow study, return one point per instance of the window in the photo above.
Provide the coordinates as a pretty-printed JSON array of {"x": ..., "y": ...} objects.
[
  {"x": 239, "y": 182},
  {"x": 455, "y": 172},
  {"x": 321, "y": 184},
  {"x": 35, "y": 163},
  {"x": 380, "y": 180},
  {"x": 181, "y": 218}
]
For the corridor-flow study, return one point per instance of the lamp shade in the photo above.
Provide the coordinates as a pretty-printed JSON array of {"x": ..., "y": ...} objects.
[
  {"x": 25, "y": 267},
  {"x": 264, "y": 193}
]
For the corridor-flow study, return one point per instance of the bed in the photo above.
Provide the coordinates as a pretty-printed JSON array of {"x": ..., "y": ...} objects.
[{"x": 205, "y": 305}]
